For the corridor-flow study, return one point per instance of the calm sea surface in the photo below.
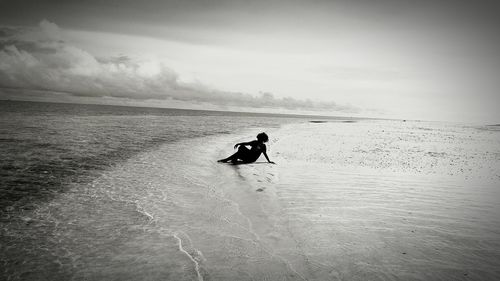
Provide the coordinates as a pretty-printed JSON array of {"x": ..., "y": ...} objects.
[
  {"x": 54, "y": 229},
  {"x": 46, "y": 146}
]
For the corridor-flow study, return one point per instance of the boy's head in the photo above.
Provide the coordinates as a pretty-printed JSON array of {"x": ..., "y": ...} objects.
[{"x": 262, "y": 137}]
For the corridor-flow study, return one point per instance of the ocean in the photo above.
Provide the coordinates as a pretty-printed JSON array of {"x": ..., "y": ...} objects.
[
  {"x": 52, "y": 151},
  {"x": 47, "y": 146},
  {"x": 121, "y": 193}
]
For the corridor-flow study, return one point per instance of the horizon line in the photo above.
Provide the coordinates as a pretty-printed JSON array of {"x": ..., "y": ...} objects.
[{"x": 218, "y": 111}]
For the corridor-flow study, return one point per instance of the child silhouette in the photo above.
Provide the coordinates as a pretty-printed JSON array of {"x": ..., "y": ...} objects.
[{"x": 245, "y": 155}]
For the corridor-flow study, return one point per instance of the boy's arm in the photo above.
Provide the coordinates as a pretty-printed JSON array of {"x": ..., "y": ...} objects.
[
  {"x": 265, "y": 154},
  {"x": 241, "y": 143}
]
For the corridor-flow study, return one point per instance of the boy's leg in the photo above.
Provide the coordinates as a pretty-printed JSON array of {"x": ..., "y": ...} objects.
[
  {"x": 230, "y": 158},
  {"x": 240, "y": 154},
  {"x": 225, "y": 159}
]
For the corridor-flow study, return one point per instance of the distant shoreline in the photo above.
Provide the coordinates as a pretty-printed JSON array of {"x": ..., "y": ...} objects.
[{"x": 213, "y": 112}]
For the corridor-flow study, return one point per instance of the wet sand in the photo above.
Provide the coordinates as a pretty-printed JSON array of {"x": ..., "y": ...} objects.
[
  {"x": 378, "y": 200},
  {"x": 366, "y": 200}
]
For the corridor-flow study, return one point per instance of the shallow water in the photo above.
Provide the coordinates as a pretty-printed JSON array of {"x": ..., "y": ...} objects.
[
  {"x": 386, "y": 200},
  {"x": 366, "y": 200},
  {"x": 46, "y": 146},
  {"x": 68, "y": 204}
]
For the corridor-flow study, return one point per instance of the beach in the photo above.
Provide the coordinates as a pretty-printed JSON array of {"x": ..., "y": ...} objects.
[
  {"x": 373, "y": 127},
  {"x": 347, "y": 200},
  {"x": 379, "y": 200}
]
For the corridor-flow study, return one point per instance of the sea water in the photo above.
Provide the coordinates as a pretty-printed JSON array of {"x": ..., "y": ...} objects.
[
  {"x": 81, "y": 186},
  {"x": 117, "y": 193}
]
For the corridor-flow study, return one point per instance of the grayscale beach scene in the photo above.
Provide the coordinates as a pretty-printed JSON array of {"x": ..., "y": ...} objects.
[{"x": 249, "y": 140}]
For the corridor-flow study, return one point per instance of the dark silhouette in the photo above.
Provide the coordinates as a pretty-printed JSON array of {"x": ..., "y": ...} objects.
[{"x": 245, "y": 155}]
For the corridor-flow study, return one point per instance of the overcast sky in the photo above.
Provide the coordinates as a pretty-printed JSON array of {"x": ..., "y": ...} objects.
[{"x": 431, "y": 60}]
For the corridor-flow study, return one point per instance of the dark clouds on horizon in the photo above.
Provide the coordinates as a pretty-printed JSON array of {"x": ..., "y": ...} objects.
[{"x": 39, "y": 59}]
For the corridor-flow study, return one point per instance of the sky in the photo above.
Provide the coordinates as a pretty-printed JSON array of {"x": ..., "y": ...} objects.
[{"x": 424, "y": 60}]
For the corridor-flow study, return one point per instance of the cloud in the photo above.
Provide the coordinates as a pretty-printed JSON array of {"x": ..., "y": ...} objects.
[{"x": 40, "y": 59}]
